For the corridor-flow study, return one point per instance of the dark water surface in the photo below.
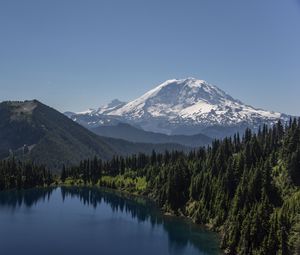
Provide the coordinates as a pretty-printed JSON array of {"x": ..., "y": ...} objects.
[{"x": 94, "y": 221}]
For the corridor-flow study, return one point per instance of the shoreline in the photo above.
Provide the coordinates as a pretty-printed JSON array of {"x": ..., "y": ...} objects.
[
  {"x": 165, "y": 213},
  {"x": 132, "y": 195}
]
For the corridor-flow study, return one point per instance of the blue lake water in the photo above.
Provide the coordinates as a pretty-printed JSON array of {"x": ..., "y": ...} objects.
[{"x": 94, "y": 221}]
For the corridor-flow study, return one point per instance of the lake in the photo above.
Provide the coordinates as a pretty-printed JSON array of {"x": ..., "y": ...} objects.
[{"x": 94, "y": 221}]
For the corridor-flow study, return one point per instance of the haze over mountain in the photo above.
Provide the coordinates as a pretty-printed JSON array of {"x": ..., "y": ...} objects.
[
  {"x": 182, "y": 106},
  {"x": 32, "y": 130},
  {"x": 133, "y": 134}
]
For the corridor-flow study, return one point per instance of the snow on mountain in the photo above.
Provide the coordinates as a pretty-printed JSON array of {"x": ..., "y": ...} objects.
[
  {"x": 113, "y": 105},
  {"x": 97, "y": 117},
  {"x": 185, "y": 106},
  {"x": 88, "y": 111},
  {"x": 191, "y": 101}
]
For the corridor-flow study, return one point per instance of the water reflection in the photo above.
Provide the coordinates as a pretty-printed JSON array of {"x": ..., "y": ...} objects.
[
  {"x": 17, "y": 198},
  {"x": 180, "y": 233}
]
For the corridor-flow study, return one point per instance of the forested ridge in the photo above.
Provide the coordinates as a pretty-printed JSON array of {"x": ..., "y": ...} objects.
[
  {"x": 33, "y": 131},
  {"x": 247, "y": 188}
]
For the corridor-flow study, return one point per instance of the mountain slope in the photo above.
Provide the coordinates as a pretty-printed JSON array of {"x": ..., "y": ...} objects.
[
  {"x": 49, "y": 136},
  {"x": 191, "y": 102},
  {"x": 31, "y": 130},
  {"x": 97, "y": 117},
  {"x": 185, "y": 106},
  {"x": 133, "y": 134}
]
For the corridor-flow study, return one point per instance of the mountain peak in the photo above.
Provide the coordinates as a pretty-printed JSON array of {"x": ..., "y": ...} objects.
[
  {"x": 20, "y": 109},
  {"x": 188, "y": 87},
  {"x": 188, "y": 106},
  {"x": 192, "y": 80},
  {"x": 113, "y": 103},
  {"x": 176, "y": 96},
  {"x": 111, "y": 106},
  {"x": 189, "y": 81}
]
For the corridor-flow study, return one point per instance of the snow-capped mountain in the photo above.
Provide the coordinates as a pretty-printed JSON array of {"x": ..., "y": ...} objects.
[
  {"x": 97, "y": 117},
  {"x": 186, "y": 106},
  {"x": 112, "y": 106},
  {"x": 107, "y": 108}
]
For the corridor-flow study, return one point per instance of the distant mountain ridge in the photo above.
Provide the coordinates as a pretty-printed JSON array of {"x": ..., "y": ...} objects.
[
  {"x": 32, "y": 130},
  {"x": 184, "y": 106},
  {"x": 133, "y": 134}
]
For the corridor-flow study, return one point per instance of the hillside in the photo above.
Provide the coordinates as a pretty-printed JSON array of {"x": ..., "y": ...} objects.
[
  {"x": 133, "y": 134},
  {"x": 32, "y": 130},
  {"x": 246, "y": 188}
]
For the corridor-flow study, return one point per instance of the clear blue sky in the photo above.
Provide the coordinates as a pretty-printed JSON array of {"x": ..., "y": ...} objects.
[{"x": 76, "y": 54}]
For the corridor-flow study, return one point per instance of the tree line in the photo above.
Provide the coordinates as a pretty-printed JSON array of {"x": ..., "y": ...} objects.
[
  {"x": 247, "y": 188},
  {"x": 17, "y": 175}
]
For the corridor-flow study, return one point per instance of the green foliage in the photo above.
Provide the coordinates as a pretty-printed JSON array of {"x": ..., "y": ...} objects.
[
  {"x": 33, "y": 131},
  {"x": 246, "y": 188},
  {"x": 17, "y": 175},
  {"x": 121, "y": 182}
]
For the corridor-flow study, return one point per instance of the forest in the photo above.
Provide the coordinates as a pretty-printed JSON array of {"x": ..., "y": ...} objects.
[
  {"x": 245, "y": 187},
  {"x": 21, "y": 175}
]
